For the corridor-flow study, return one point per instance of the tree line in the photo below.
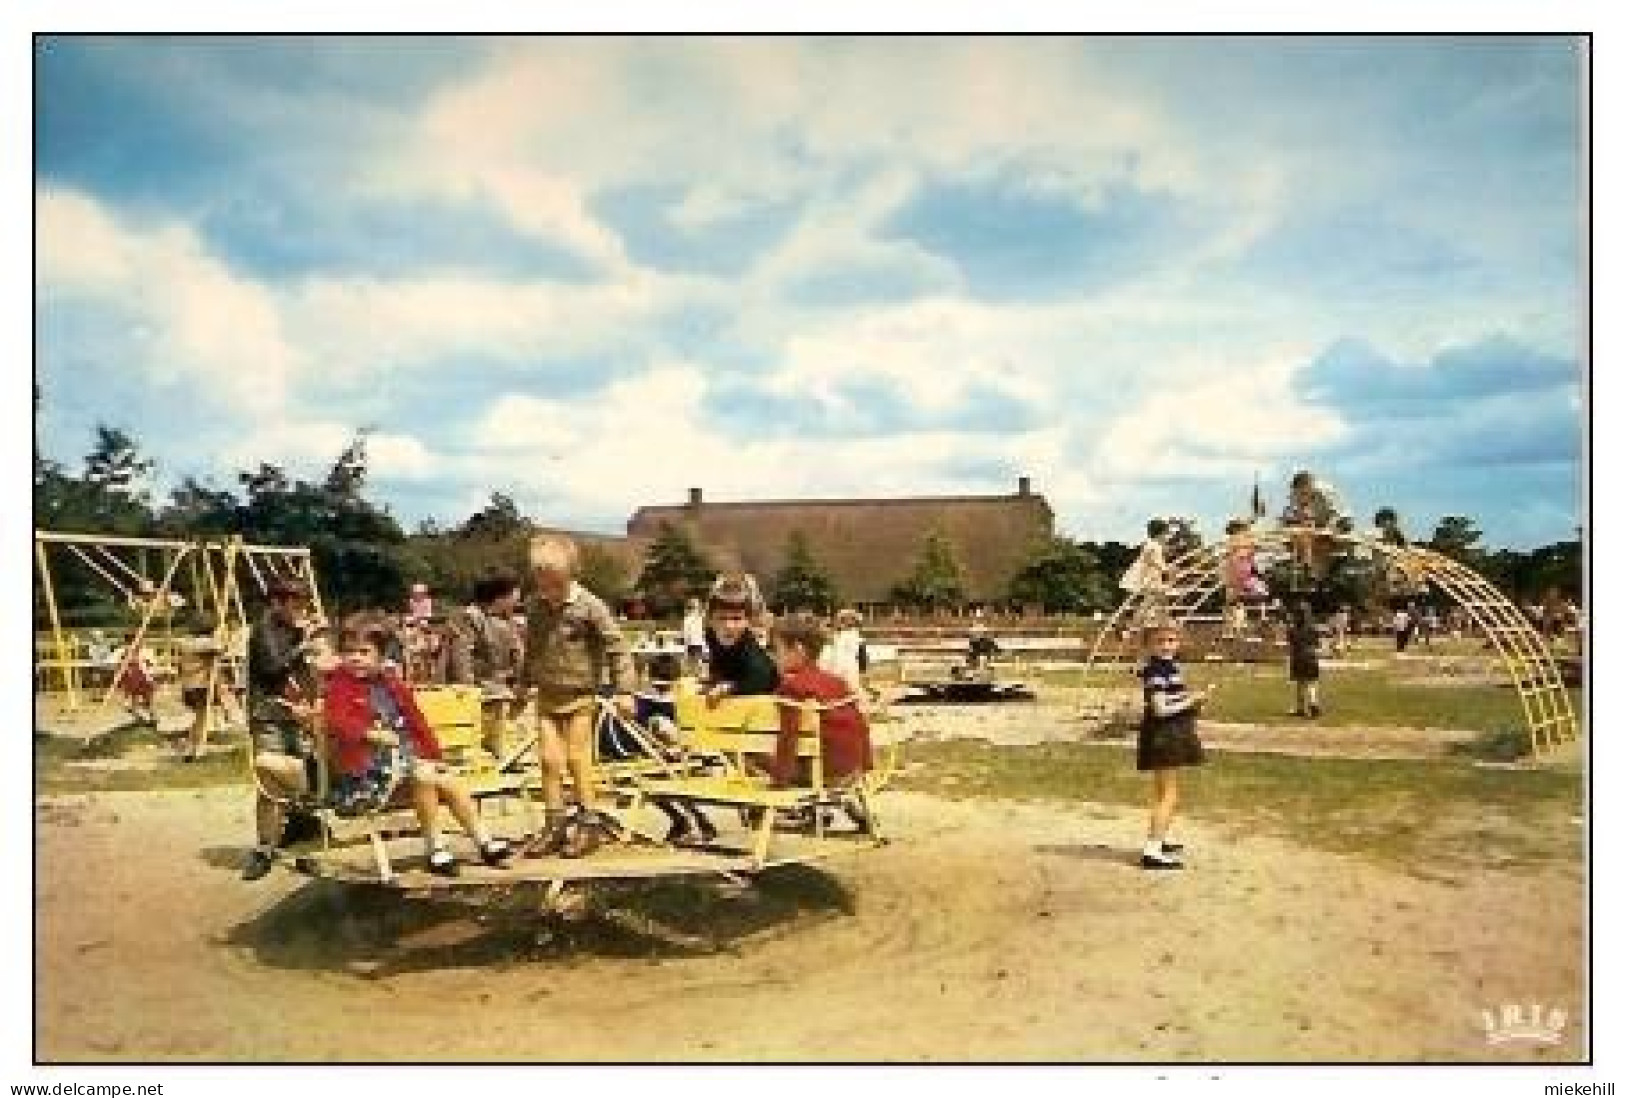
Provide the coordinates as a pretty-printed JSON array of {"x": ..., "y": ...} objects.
[{"x": 365, "y": 558}]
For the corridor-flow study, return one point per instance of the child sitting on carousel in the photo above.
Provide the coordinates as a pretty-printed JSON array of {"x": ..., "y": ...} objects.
[
  {"x": 655, "y": 710},
  {"x": 739, "y": 665},
  {"x": 378, "y": 737},
  {"x": 843, "y": 732}
]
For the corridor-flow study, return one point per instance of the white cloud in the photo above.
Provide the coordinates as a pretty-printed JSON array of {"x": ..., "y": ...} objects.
[
  {"x": 400, "y": 457},
  {"x": 647, "y": 440},
  {"x": 1242, "y": 414},
  {"x": 361, "y": 327},
  {"x": 307, "y": 446},
  {"x": 302, "y": 445},
  {"x": 545, "y": 124},
  {"x": 193, "y": 317}
]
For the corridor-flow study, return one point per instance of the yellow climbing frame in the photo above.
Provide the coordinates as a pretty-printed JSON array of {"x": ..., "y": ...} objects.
[{"x": 1195, "y": 577}]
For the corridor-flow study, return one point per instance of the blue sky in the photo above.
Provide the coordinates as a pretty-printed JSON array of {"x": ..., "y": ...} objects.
[{"x": 594, "y": 272}]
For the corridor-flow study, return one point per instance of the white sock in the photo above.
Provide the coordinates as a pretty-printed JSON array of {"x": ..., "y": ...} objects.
[
  {"x": 432, "y": 842},
  {"x": 1153, "y": 849}
]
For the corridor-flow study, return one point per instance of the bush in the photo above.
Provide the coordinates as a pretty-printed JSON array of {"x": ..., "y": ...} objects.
[{"x": 1498, "y": 745}]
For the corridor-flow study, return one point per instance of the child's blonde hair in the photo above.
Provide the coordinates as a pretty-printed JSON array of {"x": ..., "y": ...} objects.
[{"x": 551, "y": 553}]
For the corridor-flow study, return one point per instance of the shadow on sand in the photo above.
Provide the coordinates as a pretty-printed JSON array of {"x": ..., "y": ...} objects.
[
  {"x": 1093, "y": 852},
  {"x": 374, "y": 931}
]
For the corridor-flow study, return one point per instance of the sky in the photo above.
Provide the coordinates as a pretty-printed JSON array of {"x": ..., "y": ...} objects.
[{"x": 592, "y": 273}]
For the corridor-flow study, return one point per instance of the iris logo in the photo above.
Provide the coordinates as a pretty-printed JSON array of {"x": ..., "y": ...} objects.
[{"x": 1515, "y": 1022}]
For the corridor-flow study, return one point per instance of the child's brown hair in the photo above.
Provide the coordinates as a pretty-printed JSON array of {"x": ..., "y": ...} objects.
[
  {"x": 735, "y": 591},
  {"x": 367, "y": 627},
  {"x": 801, "y": 631}
]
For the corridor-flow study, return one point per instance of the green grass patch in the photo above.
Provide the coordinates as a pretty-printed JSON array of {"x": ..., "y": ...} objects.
[
  {"x": 60, "y": 765},
  {"x": 1400, "y": 811},
  {"x": 1350, "y": 698}
]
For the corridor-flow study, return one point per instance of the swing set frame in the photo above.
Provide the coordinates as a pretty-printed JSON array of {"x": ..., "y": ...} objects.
[{"x": 213, "y": 574}]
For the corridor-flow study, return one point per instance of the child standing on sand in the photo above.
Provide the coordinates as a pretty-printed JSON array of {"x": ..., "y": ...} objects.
[{"x": 1168, "y": 741}]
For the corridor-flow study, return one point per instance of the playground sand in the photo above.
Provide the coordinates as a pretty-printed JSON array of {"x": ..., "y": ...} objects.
[
  {"x": 986, "y": 931},
  {"x": 1025, "y": 724}
]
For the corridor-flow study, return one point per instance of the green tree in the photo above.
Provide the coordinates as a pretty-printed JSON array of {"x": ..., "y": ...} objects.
[
  {"x": 604, "y": 574},
  {"x": 1063, "y": 577},
  {"x": 936, "y": 579},
  {"x": 358, "y": 547},
  {"x": 62, "y": 501},
  {"x": 496, "y": 521},
  {"x": 198, "y": 508},
  {"x": 348, "y": 476},
  {"x": 803, "y": 583},
  {"x": 674, "y": 570},
  {"x": 1115, "y": 558},
  {"x": 111, "y": 495},
  {"x": 1527, "y": 577},
  {"x": 1455, "y": 537},
  {"x": 115, "y": 463}
]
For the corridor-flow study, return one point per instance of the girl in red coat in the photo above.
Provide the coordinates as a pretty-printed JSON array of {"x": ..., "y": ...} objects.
[{"x": 369, "y": 713}]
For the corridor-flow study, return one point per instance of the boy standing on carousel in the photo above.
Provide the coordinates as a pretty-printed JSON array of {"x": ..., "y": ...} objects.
[{"x": 572, "y": 643}]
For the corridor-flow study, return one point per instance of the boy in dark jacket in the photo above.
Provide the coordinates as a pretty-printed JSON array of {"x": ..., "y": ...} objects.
[{"x": 739, "y": 665}]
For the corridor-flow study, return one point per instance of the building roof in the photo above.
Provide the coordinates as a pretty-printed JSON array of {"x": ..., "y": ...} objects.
[{"x": 868, "y": 545}]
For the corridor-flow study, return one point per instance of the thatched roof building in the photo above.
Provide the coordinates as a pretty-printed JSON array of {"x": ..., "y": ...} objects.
[{"x": 868, "y": 545}]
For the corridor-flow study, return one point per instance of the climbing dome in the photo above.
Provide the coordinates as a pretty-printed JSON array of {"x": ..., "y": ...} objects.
[{"x": 1196, "y": 579}]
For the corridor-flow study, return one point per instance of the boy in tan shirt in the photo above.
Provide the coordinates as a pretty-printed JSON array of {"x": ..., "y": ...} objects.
[{"x": 572, "y": 644}]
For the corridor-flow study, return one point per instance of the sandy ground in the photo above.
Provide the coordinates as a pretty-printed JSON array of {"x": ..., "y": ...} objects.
[
  {"x": 984, "y": 932},
  {"x": 1079, "y": 718}
]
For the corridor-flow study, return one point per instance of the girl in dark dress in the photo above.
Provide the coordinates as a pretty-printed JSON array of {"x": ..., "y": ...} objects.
[
  {"x": 1303, "y": 659},
  {"x": 1168, "y": 741}
]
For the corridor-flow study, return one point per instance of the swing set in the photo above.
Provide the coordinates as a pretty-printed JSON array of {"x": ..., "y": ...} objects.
[{"x": 156, "y": 578}]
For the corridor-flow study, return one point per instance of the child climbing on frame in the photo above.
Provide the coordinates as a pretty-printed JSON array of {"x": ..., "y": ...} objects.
[
  {"x": 1242, "y": 583},
  {"x": 1314, "y": 515},
  {"x": 1148, "y": 575}
]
